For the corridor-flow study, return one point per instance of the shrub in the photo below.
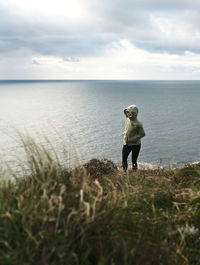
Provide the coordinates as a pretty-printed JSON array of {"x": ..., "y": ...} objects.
[{"x": 97, "y": 168}]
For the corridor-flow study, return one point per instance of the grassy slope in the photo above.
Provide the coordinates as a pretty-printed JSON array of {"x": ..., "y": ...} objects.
[{"x": 98, "y": 215}]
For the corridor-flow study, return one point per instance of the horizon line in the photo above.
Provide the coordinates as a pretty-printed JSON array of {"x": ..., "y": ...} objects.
[{"x": 24, "y": 80}]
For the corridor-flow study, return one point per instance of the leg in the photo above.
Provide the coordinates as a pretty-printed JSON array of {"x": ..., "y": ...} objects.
[
  {"x": 125, "y": 152},
  {"x": 135, "y": 153}
]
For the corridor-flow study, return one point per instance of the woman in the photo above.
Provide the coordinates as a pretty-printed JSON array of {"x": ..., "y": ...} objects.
[{"x": 133, "y": 132}]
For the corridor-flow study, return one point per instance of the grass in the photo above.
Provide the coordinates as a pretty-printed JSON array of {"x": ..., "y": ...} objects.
[{"x": 95, "y": 214}]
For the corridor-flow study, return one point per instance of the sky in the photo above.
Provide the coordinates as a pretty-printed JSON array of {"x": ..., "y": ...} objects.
[{"x": 100, "y": 39}]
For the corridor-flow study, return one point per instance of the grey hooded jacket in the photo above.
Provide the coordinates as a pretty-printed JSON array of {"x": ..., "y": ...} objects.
[{"x": 134, "y": 130}]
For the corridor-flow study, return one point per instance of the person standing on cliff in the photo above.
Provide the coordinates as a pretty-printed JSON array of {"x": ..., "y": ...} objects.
[{"x": 133, "y": 133}]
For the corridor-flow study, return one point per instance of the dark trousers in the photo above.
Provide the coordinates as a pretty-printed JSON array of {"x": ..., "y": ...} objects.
[{"x": 135, "y": 149}]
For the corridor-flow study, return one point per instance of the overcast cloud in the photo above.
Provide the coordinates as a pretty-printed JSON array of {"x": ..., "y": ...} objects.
[{"x": 83, "y": 39}]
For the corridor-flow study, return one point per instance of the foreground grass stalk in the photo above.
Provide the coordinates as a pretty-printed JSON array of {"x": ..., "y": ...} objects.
[{"x": 96, "y": 215}]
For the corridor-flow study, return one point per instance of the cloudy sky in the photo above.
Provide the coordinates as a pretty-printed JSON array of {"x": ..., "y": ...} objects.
[{"x": 100, "y": 39}]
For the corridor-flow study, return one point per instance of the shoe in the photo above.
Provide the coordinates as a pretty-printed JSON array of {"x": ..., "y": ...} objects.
[{"x": 134, "y": 167}]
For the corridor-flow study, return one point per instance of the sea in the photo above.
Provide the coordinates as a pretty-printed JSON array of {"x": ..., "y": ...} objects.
[{"x": 87, "y": 116}]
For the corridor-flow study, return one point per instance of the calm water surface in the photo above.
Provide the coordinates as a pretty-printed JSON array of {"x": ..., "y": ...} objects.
[{"x": 90, "y": 115}]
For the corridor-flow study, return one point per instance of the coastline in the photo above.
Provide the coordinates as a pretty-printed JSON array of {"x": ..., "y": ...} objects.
[{"x": 149, "y": 166}]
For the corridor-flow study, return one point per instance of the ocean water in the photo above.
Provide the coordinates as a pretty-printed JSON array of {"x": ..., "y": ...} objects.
[{"x": 89, "y": 114}]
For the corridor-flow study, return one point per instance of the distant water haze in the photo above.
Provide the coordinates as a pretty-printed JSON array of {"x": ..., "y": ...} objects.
[{"x": 90, "y": 115}]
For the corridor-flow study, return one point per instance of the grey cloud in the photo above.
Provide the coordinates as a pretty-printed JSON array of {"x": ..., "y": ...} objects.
[
  {"x": 135, "y": 21},
  {"x": 112, "y": 21},
  {"x": 124, "y": 7},
  {"x": 44, "y": 37},
  {"x": 71, "y": 59},
  {"x": 164, "y": 46},
  {"x": 35, "y": 62}
]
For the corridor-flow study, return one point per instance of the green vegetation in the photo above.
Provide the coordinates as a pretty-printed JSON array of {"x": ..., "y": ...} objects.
[{"x": 96, "y": 214}]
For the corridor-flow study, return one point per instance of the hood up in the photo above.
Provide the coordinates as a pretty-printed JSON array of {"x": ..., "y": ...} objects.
[{"x": 133, "y": 110}]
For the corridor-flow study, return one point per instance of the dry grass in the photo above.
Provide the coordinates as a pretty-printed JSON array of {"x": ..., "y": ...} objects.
[{"x": 97, "y": 215}]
